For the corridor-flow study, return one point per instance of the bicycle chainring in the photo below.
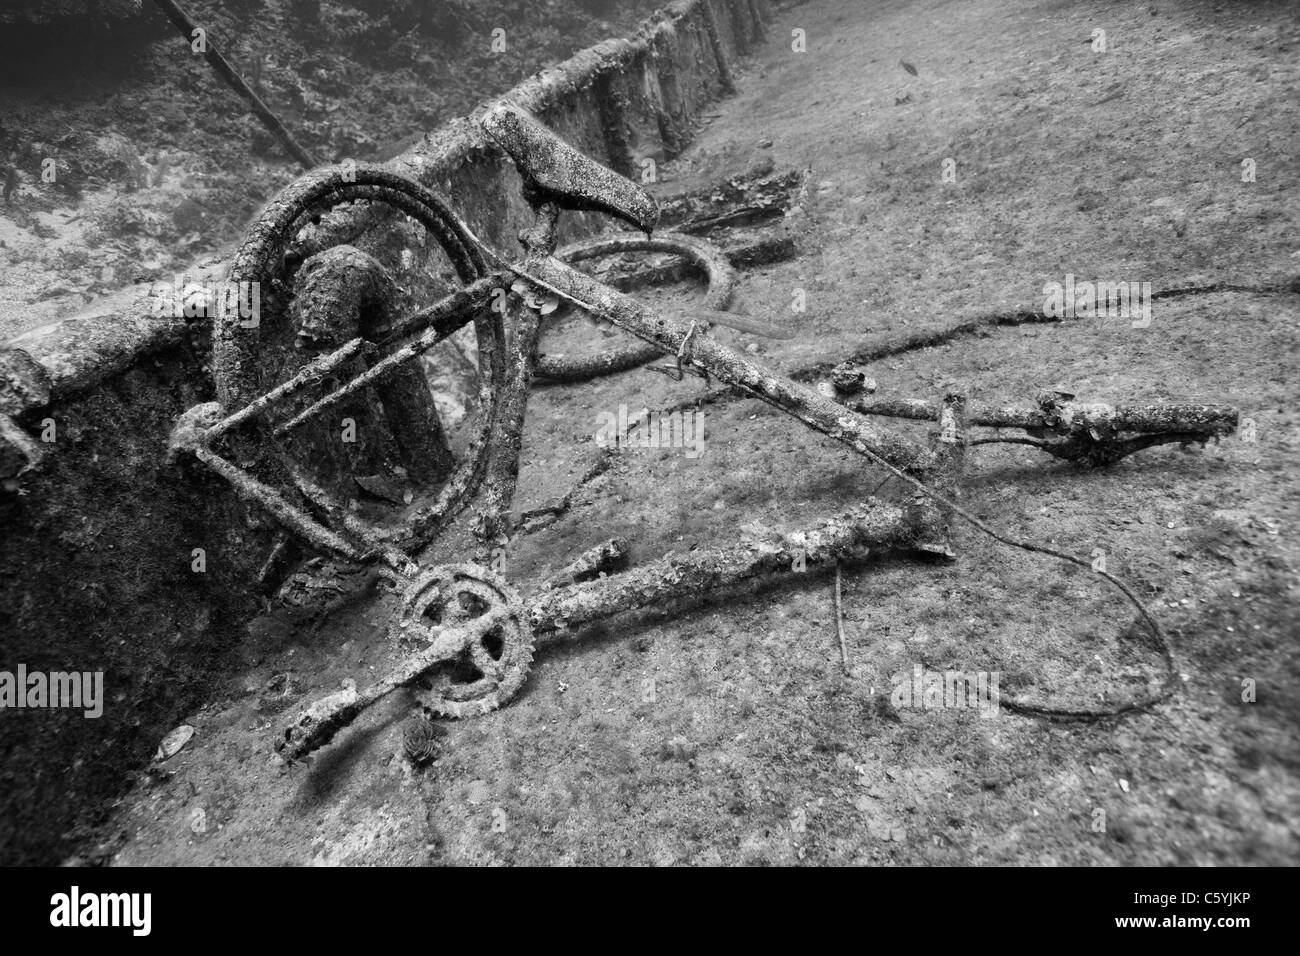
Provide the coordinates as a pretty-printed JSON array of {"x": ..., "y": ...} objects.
[{"x": 487, "y": 673}]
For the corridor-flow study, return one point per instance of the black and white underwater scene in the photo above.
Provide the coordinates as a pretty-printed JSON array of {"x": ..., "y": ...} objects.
[{"x": 649, "y": 433}]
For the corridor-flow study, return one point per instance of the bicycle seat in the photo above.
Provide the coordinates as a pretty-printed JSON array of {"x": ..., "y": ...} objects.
[{"x": 555, "y": 172}]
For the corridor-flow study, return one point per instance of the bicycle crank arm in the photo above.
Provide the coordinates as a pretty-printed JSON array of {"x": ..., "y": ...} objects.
[{"x": 318, "y": 724}]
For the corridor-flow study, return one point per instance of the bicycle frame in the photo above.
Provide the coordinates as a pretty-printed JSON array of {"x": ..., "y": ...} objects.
[
  {"x": 923, "y": 525},
  {"x": 425, "y": 329}
]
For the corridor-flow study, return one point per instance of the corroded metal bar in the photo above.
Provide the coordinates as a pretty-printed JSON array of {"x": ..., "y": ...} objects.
[
  {"x": 308, "y": 375},
  {"x": 611, "y": 104},
  {"x": 506, "y": 440},
  {"x": 805, "y": 404},
  {"x": 448, "y": 312},
  {"x": 250, "y": 489},
  {"x": 873, "y": 525},
  {"x": 343, "y": 292},
  {"x": 756, "y": 17},
  {"x": 687, "y": 576},
  {"x": 739, "y": 12},
  {"x": 507, "y": 437},
  {"x": 1068, "y": 417},
  {"x": 536, "y": 518}
]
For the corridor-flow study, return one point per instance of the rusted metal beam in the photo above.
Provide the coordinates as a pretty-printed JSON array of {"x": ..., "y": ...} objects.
[{"x": 310, "y": 374}]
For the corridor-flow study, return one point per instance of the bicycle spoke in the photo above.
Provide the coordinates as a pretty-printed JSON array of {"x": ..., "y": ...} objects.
[
  {"x": 312, "y": 373},
  {"x": 376, "y": 373},
  {"x": 452, "y": 312}
]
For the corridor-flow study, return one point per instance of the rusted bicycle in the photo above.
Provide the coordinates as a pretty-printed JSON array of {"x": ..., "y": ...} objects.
[{"x": 468, "y": 633}]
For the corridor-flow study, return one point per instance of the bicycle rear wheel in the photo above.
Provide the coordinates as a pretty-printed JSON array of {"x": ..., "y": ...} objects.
[{"x": 296, "y": 233}]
